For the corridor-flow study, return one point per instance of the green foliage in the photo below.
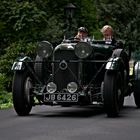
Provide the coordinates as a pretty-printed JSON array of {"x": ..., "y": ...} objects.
[
  {"x": 26, "y": 21},
  {"x": 86, "y": 16},
  {"x": 5, "y": 97},
  {"x": 124, "y": 16},
  {"x": 22, "y": 19},
  {"x": 11, "y": 53},
  {"x": 3, "y": 80}
]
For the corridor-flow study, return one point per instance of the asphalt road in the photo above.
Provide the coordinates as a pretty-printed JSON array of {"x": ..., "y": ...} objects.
[{"x": 73, "y": 123}]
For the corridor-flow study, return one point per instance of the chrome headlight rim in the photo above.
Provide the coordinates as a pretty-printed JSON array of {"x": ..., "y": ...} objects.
[
  {"x": 72, "y": 87},
  {"x": 51, "y": 87},
  {"x": 44, "y": 49},
  {"x": 83, "y": 50}
]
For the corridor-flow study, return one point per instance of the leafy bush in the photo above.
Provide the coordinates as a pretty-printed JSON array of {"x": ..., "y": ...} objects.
[
  {"x": 5, "y": 97},
  {"x": 12, "y": 52}
]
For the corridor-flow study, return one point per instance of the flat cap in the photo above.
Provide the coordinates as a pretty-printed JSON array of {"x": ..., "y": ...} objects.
[{"x": 83, "y": 29}]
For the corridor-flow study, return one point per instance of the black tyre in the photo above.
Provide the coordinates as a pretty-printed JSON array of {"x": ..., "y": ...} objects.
[
  {"x": 137, "y": 93},
  {"x": 124, "y": 69},
  {"x": 21, "y": 90},
  {"x": 113, "y": 93}
]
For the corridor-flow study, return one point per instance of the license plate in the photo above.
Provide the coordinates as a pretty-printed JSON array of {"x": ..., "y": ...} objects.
[{"x": 61, "y": 97}]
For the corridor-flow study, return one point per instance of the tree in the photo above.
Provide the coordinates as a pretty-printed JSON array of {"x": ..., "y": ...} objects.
[{"x": 124, "y": 16}]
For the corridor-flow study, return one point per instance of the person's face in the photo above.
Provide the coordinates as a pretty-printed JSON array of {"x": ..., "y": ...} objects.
[
  {"x": 107, "y": 34},
  {"x": 82, "y": 34}
]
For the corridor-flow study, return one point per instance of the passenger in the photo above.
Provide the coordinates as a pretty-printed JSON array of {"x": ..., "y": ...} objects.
[
  {"x": 108, "y": 35},
  {"x": 107, "y": 32},
  {"x": 82, "y": 33}
]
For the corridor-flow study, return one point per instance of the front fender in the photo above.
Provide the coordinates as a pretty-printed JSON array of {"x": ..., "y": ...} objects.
[
  {"x": 113, "y": 64},
  {"x": 19, "y": 64}
]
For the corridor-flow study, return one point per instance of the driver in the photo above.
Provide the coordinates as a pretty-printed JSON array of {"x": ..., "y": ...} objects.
[{"x": 82, "y": 33}]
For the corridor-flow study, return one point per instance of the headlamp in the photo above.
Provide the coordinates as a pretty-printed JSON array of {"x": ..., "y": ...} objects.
[
  {"x": 51, "y": 87},
  {"x": 44, "y": 49},
  {"x": 72, "y": 87},
  {"x": 83, "y": 49}
]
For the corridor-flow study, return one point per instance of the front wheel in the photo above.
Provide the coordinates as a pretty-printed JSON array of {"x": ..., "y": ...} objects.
[
  {"x": 137, "y": 83},
  {"x": 137, "y": 93},
  {"x": 113, "y": 93},
  {"x": 22, "y": 84}
]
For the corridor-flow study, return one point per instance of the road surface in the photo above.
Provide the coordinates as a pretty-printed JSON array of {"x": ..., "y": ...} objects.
[{"x": 71, "y": 123}]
